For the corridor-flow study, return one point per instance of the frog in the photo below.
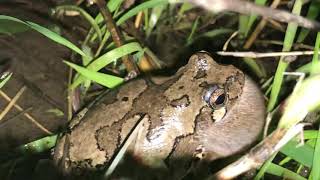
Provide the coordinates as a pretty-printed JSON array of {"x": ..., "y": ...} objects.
[{"x": 204, "y": 112}]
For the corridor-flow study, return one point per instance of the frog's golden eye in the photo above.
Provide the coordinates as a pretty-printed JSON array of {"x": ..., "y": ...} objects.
[{"x": 215, "y": 96}]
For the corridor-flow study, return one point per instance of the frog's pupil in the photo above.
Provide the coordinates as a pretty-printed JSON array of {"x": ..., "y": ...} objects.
[{"x": 220, "y": 99}]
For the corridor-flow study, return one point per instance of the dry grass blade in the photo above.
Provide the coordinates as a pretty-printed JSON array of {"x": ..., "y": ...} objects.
[
  {"x": 251, "y": 54},
  {"x": 27, "y": 115},
  {"x": 124, "y": 148},
  {"x": 12, "y": 102}
]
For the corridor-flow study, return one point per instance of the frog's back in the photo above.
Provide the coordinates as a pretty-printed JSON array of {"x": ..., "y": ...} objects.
[{"x": 92, "y": 142}]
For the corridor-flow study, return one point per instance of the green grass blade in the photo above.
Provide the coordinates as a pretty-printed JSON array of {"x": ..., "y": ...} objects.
[
  {"x": 184, "y": 7},
  {"x": 304, "y": 99},
  {"x": 316, "y": 159},
  {"x": 307, "y": 67},
  {"x": 129, "y": 14},
  {"x": 140, "y": 7},
  {"x": 302, "y": 154},
  {"x": 103, "y": 79},
  {"x": 313, "y": 12},
  {"x": 38, "y": 146},
  {"x": 112, "y": 6},
  {"x": 282, "y": 66},
  {"x": 253, "y": 17},
  {"x": 283, "y": 172},
  {"x": 212, "y": 33},
  {"x": 243, "y": 25},
  {"x": 193, "y": 30},
  {"x": 154, "y": 17},
  {"x": 260, "y": 72},
  {"x": 12, "y": 27},
  {"x": 107, "y": 58},
  {"x": 4, "y": 80},
  {"x": 46, "y": 32},
  {"x": 55, "y": 37},
  {"x": 264, "y": 168},
  {"x": 310, "y": 134},
  {"x": 86, "y": 15},
  {"x": 315, "y": 59}
]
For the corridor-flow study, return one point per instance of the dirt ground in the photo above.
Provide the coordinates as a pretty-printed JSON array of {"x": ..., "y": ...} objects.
[{"x": 36, "y": 62}]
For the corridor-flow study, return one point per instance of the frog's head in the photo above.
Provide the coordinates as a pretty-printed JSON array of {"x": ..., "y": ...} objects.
[
  {"x": 231, "y": 106},
  {"x": 225, "y": 107},
  {"x": 207, "y": 83}
]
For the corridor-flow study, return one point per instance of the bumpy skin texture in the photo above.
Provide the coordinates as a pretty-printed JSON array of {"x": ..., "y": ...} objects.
[{"x": 179, "y": 122}]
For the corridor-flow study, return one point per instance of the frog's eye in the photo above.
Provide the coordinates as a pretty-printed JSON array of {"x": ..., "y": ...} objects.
[{"x": 215, "y": 96}]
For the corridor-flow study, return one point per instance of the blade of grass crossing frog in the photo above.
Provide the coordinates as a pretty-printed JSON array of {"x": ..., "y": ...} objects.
[
  {"x": 252, "y": 18},
  {"x": 107, "y": 58},
  {"x": 5, "y": 80},
  {"x": 103, "y": 79},
  {"x": 315, "y": 171},
  {"x": 315, "y": 59},
  {"x": 46, "y": 32},
  {"x": 277, "y": 170},
  {"x": 84, "y": 14},
  {"x": 313, "y": 12},
  {"x": 124, "y": 148},
  {"x": 282, "y": 65}
]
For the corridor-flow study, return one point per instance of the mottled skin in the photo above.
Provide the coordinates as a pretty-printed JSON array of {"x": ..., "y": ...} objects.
[{"x": 178, "y": 120}]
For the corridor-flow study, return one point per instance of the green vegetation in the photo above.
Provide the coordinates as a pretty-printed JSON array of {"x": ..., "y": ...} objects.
[{"x": 99, "y": 52}]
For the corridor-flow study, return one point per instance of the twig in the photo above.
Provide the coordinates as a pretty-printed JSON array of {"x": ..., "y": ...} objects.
[
  {"x": 246, "y": 7},
  {"x": 69, "y": 96},
  {"x": 12, "y": 102},
  {"x": 117, "y": 37},
  {"x": 251, "y": 54},
  {"x": 27, "y": 115}
]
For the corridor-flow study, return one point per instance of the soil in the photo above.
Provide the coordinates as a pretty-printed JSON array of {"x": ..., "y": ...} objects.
[{"x": 36, "y": 62}]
